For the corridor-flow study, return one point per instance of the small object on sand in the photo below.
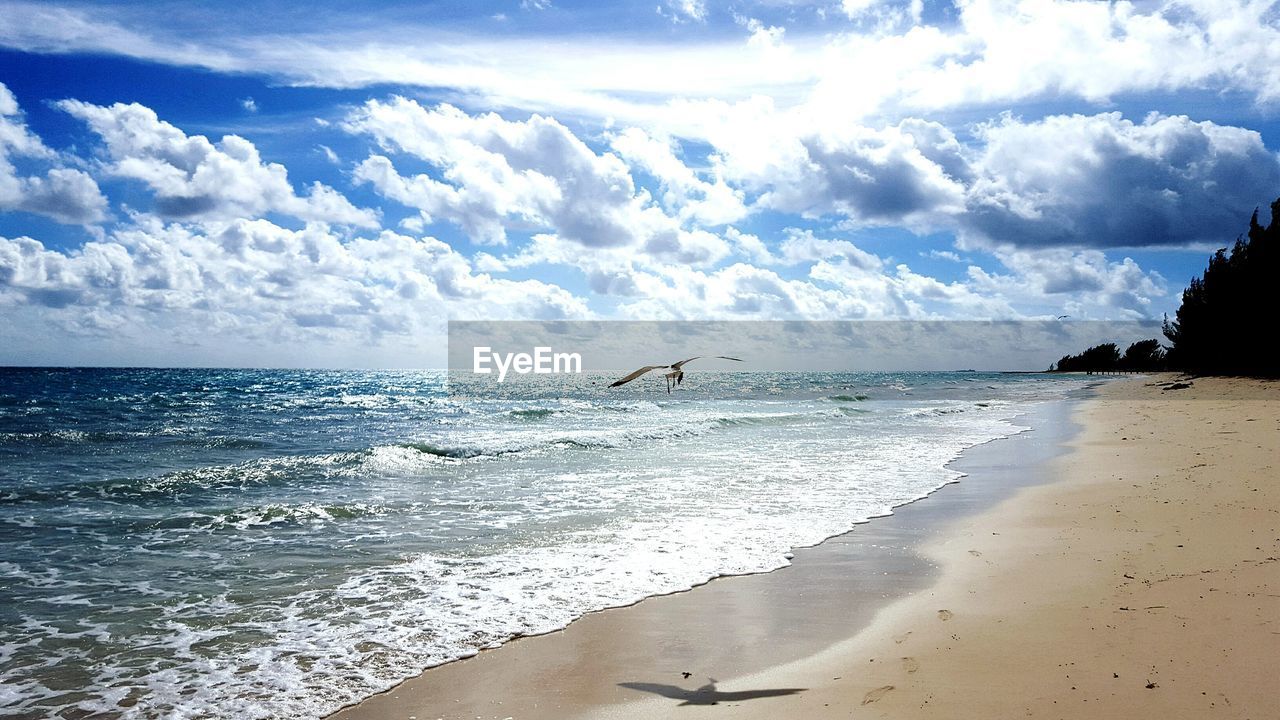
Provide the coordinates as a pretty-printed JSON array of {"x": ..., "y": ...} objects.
[
  {"x": 944, "y": 615},
  {"x": 1151, "y": 685},
  {"x": 1115, "y": 675},
  {"x": 687, "y": 675},
  {"x": 1177, "y": 386},
  {"x": 876, "y": 694}
]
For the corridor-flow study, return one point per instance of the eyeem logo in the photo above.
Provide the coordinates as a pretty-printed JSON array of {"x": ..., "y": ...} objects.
[{"x": 541, "y": 362}]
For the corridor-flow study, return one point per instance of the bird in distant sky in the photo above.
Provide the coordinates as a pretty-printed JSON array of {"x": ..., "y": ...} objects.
[
  {"x": 1063, "y": 317},
  {"x": 675, "y": 377}
]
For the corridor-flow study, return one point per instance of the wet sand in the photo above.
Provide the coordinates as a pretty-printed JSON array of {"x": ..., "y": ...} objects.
[{"x": 731, "y": 627}]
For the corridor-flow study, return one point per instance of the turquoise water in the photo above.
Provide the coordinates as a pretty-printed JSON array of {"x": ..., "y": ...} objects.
[{"x": 276, "y": 544}]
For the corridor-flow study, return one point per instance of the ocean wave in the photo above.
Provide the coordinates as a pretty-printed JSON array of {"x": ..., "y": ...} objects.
[
  {"x": 937, "y": 411},
  {"x": 533, "y": 413},
  {"x": 161, "y": 489},
  {"x": 494, "y": 445},
  {"x": 69, "y": 437},
  {"x": 278, "y": 587},
  {"x": 269, "y": 515},
  {"x": 177, "y": 436}
]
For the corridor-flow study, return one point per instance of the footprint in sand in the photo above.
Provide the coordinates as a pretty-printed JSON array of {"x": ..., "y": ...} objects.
[
  {"x": 944, "y": 615},
  {"x": 899, "y": 639},
  {"x": 876, "y": 694},
  {"x": 975, "y": 553},
  {"x": 910, "y": 665}
]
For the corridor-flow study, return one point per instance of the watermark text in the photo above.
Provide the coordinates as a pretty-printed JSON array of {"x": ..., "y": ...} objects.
[{"x": 541, "y": 362}]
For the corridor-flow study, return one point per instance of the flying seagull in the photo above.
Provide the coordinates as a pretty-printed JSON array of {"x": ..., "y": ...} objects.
[
  {"x": 675, "y": 377},
  {"x": 1063, "y": 317}
]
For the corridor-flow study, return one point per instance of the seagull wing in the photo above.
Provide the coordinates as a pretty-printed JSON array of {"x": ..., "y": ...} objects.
[
  {"x": 677, "y": 365},
  {"x": 636, "y": 374}
]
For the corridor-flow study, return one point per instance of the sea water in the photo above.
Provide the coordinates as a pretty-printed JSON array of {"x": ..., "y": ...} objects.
[{"x": 277, "y": 544}]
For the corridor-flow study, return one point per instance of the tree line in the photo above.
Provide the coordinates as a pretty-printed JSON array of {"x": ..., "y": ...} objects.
[
  {"x": 1144, "y": 355},
  {"x": 1223, "y": 326}
]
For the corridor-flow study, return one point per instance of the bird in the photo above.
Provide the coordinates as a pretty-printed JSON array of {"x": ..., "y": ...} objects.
[
  {"x": 1063, "y": 317},
  {"x": 675, "y": 377}
]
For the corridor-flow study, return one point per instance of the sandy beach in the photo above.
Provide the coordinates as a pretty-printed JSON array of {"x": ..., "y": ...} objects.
[
  {"x": 1136, "y": 578},
  {"x": 1145, "y": 582}
]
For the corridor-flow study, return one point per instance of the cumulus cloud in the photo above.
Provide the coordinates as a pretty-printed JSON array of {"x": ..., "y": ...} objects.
[
  {"x": 709, "y": 202},
  {"x": 1082, "y": 283},
  {"x": 1065, "y": 180},
  {"x": 496, "y": 174},
  {"x": 803, "y": 246},
  {"x": 1105, "y": 181},
  {"x": 843, "y": 281},
  {"x": 65, "y": 194},
  {"x": 194, "y": 178},
  {"x": 900, "y": 174},
  {"x": 250, "y": 281},
  {"x": 1018, "y": 49}
]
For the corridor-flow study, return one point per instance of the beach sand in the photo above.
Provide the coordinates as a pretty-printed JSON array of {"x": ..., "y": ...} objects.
[{"x": 1140, "y": 581}]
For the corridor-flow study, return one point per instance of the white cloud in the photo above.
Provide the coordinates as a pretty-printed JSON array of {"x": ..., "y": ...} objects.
[
  {"x": 1082, "y": 283},
  {"x": 1106, "y": 181},
  {"x": 994, "y": 53},
  {"x": 893, "y": 175},
  {"x": 688, "y": 9},
  {"x": 711, "y": 202},
  {"x": 64, "y": 194},
  {"x": 329, "y": 154},
  {"x": 496, "y": 174},
  {"x": 1023, "y": 48},
  {"x": 883, "y": 14},
  {"x": 252, "y": 283},
  {"x": 1065, "y": 180},
  {"x": 947, "y": 255},
  {"x": 803, "y": 246},
  {"x": 193, "y": 178}
]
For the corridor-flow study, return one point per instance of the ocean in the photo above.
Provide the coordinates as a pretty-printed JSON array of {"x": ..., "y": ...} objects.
[{"x": 279, "y": 543}]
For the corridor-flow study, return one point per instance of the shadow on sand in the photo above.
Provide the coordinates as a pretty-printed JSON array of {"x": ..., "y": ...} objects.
[{"x": 707, "y": 694}]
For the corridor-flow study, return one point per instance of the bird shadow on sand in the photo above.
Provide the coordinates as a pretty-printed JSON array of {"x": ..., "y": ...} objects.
[{"x": 707, "y": 694}]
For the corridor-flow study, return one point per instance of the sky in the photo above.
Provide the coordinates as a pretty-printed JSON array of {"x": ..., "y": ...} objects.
[{"x": 326, "y": 184}]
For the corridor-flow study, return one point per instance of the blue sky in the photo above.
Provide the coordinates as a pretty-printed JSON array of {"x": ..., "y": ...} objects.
[{"x": 321, "y": 184}]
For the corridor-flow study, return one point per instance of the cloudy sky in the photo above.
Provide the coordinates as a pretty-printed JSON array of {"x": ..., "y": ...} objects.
[{"x": 326, "y": 183}]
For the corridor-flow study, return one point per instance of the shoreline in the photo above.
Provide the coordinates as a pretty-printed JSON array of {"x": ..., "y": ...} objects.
[
  {"x": 1143, "y": 583},
  {"x": 875, "y": 563}
]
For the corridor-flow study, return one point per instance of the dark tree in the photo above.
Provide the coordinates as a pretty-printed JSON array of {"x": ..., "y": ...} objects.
[
  {"x": 1227, "y": 316},
  {"x": 1144, "y": 355},
  {"x": 1099, "y": 358}
]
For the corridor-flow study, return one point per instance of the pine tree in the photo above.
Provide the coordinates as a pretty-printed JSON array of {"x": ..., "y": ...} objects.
[{"x": 1227, "y": 316}]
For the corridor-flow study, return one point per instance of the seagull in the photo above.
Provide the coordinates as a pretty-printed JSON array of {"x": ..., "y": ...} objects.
[
  {"x": 675, "y": 377},
  {"x": 1063, "y": 317}
]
